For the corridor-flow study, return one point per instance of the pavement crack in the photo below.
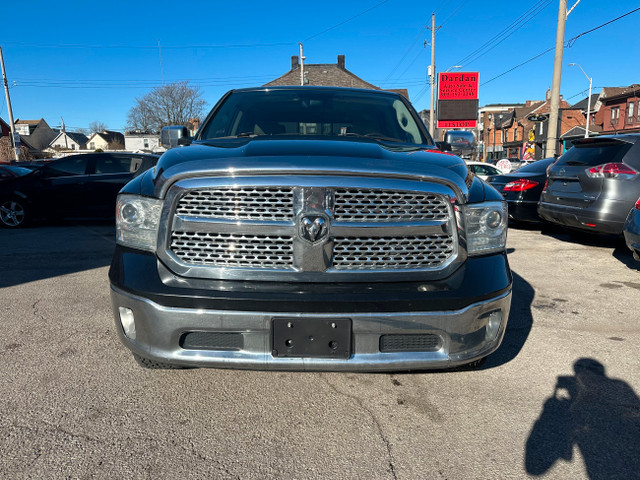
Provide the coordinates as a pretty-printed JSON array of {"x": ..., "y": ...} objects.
[
  {"x": 36, "y": 311},
  {"x": 387, "y": 444}
]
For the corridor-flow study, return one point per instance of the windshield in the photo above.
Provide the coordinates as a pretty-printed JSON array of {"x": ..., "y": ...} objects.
[
  {"x": 539, "y": 166},
  {"x": 19, "y": 171},
  {"x": 596, "y": 153},
  {"x": 460, "y": 138},
  {"x": 314, "y": 113}
]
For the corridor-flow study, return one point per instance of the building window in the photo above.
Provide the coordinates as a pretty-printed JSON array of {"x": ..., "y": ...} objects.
[
  {"x": 146, "y": 142},
  {"x": 73, "y": 147},
  {"x": 92, "y": 145},
  {"x": 630, "y": 112},
  {"x": 615, "y": 115}
]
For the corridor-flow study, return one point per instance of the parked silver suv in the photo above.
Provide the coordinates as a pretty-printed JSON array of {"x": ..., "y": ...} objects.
[{"x": 594, "y": 185}]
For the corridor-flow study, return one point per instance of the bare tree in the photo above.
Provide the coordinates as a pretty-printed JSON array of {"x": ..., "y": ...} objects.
[
  {"x": 171, "y": 104},
  {"x": 97, "y": 126}
]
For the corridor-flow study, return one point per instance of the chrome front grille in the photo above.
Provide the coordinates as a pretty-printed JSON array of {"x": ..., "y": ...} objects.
[
  {"x": 229, "y": 250},
  {"x": 244, "y": 203},
  {"x": 370, "y": 205},
  {"x": 391, "y": 253},
  {"x": 308, "y": 228}
]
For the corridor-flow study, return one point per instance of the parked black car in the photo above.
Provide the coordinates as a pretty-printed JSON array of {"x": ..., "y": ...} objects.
[
  {"x": 594, "y": 185},
  {"x": 75, "y": 186},
  {"x": 522, "y": 188},
  {"x": 631, "y": 230}
]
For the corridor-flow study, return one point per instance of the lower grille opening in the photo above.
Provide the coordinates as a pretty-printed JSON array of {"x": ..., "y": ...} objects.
[
  {"x": 428, "y": 342},
  {"x": 212, "y": 341}
]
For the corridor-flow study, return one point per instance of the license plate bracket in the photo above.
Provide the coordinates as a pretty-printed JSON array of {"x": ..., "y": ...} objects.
[{"x": 311, "y": 337}]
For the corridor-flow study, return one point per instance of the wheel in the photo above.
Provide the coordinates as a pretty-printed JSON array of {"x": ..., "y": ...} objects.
[
  {"x": 154, "y": 365},
  {"x": 13, "y": 213}
]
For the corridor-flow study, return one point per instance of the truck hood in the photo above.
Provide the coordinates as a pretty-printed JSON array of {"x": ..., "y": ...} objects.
[{"x": 273, "y": 156}]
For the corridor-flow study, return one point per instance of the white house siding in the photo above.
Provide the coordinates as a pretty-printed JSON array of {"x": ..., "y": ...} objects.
[
  {"x": 96, "y": 141},
  {"x": 68, "y": 144},
  {"x": 134, "y": 143}
]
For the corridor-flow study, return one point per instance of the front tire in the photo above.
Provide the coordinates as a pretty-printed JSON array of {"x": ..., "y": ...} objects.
[{"x": 13, "y": 213}]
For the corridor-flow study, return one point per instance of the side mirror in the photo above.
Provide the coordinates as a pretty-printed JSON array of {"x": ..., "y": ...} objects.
[
  {"x": 184, "y": 141},
  {"x": 170, "y": 136},
  {"x": 444, "y": 146}
]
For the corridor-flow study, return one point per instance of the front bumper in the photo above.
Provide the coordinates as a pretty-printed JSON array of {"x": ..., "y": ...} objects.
[{"x": 456, "y": 311}]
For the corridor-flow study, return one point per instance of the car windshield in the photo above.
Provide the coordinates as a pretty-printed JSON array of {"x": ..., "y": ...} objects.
[
  {"x": 316, "y": 113},
  {"x": 539, "y": 166},
  {"x": 595, "y": 153},
  {"x": 19, "y": 171}
]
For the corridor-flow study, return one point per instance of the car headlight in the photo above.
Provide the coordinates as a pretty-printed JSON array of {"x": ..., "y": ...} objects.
[
  {"x": 485, "y": 226},
  {"x": 137, "y": 221}
]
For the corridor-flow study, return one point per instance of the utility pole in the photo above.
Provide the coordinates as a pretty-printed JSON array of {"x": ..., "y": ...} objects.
[
  {"x": 552, "y": 134},
  {"x": 301, "y": 65},
  {"x": 432, "y": 75},
  {"x": 11, "y": 124}
]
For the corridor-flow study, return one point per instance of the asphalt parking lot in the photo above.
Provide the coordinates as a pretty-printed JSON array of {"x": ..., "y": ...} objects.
[{"x": 559, "y": 399}]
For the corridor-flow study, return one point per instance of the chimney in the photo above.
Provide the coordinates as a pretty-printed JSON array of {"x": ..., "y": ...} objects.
[
  {"x": 548, "y": 95},
  {"x": 294, "y": 62},
  {"x": 341, "y": 61}
]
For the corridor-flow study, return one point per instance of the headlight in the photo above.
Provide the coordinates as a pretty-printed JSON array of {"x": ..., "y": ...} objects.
[
  {"x": 137, "y": 221},
  {"x": 486, "y": 227}
]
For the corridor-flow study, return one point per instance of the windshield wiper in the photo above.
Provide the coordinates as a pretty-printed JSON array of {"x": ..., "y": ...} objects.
[{"x": 374, "y": 136}]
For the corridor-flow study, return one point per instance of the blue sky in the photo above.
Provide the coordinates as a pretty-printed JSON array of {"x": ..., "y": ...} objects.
[{"x": 87, "y": 61}]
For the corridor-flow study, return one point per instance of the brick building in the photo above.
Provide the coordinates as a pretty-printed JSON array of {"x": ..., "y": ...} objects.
[
  {"x": 521, "y": 132},
  {"x": 619, "y": 110}
]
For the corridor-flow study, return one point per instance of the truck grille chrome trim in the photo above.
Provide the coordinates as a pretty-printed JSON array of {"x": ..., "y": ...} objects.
[
  {"x": 241, "y": 203},
  {"x": 318, "y": 229},
  {"x": 359, "y": 205},
  {"x": 391, "y": 253},
  {"x": 229, "y": 250}
]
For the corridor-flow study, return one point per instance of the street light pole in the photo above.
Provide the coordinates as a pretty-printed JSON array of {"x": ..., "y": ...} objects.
[{"x": 586, "y": 130}]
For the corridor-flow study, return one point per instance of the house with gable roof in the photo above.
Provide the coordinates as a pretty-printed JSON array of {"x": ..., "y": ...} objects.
[
  {"x": 68, "y": 141},
  {"x": 106, "y": 140},
  {"x": 326, "y": 74}
]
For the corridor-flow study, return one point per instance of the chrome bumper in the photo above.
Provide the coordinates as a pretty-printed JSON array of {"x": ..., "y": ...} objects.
[{"x": 462, "y": 336}]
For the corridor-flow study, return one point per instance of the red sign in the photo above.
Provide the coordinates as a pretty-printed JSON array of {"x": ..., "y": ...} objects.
[
  {"x": 458, "y": 86},
  {"x": 456, "y": 124}
]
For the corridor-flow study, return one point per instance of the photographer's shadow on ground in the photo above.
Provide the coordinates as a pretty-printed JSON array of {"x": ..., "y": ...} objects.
[{"x": 599, "y": 415}]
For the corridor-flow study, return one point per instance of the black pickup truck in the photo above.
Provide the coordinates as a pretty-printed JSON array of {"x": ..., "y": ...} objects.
[{"x": 310, "y": 228}]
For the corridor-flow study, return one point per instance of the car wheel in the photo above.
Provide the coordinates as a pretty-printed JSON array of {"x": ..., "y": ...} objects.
[
  {"x": 154, "y": 365},
  {"x": 13, "y": 213}
]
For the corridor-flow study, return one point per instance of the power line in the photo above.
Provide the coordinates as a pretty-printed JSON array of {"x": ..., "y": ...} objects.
[
  {"x": 567, "y": 44},
  {"x": 494, "y": 41},
  {"x": 148, "y": 47},
  {"x": 411, "y": 46},
  {"x": 345, "y": 21},
  {"x": 454, "y": 12}
]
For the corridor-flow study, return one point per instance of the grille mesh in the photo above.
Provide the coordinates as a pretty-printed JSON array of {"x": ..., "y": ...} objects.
[
  {"x": 212, "y": 340},
  {"x": 354, "y": 253},
  {"x": 243, "y": 203},
  {"x": 362, "y": 205},
  {"x": 224, "y": 249},
  {"x": 428, "y": 342}
]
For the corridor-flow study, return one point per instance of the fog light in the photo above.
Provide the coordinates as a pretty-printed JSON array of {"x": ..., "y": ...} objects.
[
  {"x": 128, "y": 325},
  {"x": 494, "y": 320}
]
